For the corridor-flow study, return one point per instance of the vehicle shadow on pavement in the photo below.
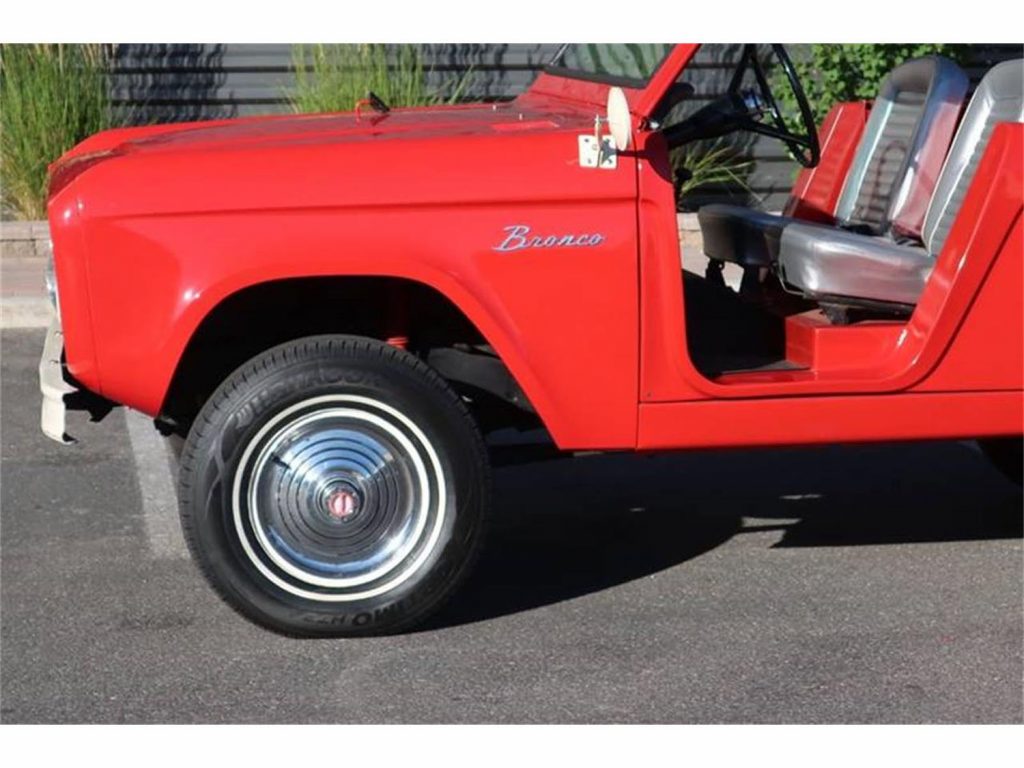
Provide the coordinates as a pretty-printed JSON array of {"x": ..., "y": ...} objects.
[
  {"x": 570, "y": 527},
  {"x": 896, "y": 494},
  {"x": 573, "y": 526}
]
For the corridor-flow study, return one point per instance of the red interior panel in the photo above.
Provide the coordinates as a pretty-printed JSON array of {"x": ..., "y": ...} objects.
[{"x": 817, "y": 189}]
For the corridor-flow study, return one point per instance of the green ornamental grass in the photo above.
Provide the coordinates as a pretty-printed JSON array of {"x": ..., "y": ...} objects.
[
  {"x": 707, "y": 163},
  {"x": 51, "y": 97},
  {"x": 332, "y": 78}
]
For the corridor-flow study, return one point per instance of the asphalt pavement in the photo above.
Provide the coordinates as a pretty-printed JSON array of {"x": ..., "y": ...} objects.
[{"x": 837, "y": 584}]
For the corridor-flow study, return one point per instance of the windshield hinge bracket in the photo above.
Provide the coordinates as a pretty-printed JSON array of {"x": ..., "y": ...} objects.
[{"x": 597, "y": 153}]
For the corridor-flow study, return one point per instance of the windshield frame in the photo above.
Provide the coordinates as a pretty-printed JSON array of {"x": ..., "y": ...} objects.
[{"x": 622, "y": 81}]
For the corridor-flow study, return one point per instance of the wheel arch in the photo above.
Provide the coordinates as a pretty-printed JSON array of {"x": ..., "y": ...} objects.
[{"x": 407, "y": 312}]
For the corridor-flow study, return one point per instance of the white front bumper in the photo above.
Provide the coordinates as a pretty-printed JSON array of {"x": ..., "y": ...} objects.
[{"x": 53, "y": 386}]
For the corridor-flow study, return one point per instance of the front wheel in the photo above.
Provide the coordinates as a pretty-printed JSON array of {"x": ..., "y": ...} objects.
[{"x": 335, "y": 486}]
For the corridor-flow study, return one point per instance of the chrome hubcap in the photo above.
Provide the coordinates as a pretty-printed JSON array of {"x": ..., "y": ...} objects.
[{"x": 338, "y": 497}]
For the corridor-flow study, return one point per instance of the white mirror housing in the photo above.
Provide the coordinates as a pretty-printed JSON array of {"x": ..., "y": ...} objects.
[{"x": 618, "y": 119}]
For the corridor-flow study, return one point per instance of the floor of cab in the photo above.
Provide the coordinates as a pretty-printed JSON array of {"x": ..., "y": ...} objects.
[{"x": 725, "y": 334}]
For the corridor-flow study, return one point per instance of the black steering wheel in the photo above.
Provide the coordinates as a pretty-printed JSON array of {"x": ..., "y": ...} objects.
[{"x": 754, "y": 110}]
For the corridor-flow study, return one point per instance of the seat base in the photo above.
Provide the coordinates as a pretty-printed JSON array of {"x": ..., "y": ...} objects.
[{"x": 842, "y": 310}]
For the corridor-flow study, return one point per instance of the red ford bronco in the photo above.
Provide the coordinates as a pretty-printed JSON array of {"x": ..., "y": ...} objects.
[{"x": 334, "y": 310}]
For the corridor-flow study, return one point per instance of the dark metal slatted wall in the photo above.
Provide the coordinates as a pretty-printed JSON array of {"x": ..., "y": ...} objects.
[
  {"x": 198, "y": 82},
  {"x": 195, "y": 82}
]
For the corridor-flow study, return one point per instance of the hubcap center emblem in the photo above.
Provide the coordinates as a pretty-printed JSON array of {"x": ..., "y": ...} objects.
[{"x": 342, "y": 504}]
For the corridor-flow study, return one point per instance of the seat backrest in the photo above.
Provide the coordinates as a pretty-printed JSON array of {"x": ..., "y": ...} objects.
[
  {"x": 999, "y": 99},
  {"x": 897, "y": 162}
]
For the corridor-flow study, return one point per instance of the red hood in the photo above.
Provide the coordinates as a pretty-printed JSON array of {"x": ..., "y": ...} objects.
[
  {"x": 295, "y": 130},
  {"x": 296, "y": 160}
]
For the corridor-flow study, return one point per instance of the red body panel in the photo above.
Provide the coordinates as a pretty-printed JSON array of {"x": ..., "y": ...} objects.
[
  {"x": 857, "y": 418},
  {"x": 151, "y": 240},
  {"x": 420, "y": 216}
]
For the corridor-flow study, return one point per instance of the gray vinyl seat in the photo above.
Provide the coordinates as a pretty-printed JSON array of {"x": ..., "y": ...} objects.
[
  {"x": 825, "y": 263},
  {"x": 896, "y": 161}
]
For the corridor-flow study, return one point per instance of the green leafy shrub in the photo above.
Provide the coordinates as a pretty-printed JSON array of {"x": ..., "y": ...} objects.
[
  {"x": 332, "y": 78},
  {"x": 832, "y": 73},
  {"x": 51, "y": 97}
]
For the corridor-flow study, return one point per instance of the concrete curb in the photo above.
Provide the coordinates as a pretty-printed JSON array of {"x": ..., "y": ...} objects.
[
  {"x": 24, "y": 239},
  {"x": 20, "y": 312},
  {"x": 24, "y": 248}
]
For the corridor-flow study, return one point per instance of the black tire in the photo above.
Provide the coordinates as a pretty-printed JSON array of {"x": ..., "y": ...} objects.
[
  {"x": 1006, "y": 455},
  {"x": 322, "y": 433},
  {"x": 175, "y": 445}
]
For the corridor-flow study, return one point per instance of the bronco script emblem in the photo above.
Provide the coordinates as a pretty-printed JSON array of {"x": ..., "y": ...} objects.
[{"x": 519, "y": 237}]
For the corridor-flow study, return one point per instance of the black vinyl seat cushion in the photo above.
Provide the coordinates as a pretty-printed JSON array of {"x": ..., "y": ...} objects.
[{"x": 741, "y": 235}]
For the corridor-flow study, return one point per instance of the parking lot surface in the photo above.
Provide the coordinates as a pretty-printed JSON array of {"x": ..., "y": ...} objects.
[{"x": 835, "y": 584}]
